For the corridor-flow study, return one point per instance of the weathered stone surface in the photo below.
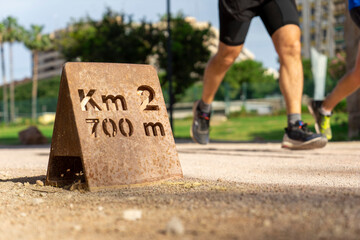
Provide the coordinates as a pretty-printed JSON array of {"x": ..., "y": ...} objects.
[
  {"x": 32, "y": 136},
  {"x": 111, "y": 128}
]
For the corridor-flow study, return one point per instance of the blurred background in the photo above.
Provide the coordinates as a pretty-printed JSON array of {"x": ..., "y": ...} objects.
[{"x": 37, "y": 37}]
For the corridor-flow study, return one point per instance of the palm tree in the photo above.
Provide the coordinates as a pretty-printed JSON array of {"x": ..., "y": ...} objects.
[
  {"x": 13, "y": 33},
  {"x": 36, "y": 42},
  {"x": 5, "y": 101}
]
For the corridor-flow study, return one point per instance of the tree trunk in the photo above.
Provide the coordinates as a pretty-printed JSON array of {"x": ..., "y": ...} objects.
[
  {"x": 34, "y": 86},
  {"x": 5, "y": 100},
  {"x": 12, "y": 85},
  {"x": 352, "y": 38}
]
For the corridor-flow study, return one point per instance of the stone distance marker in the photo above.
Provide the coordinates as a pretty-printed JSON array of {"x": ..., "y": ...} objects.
[{"x": 111, "y": 128}]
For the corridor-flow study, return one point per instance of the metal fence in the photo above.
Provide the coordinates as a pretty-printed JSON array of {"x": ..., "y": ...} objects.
[{"x": 23, "y": 108}]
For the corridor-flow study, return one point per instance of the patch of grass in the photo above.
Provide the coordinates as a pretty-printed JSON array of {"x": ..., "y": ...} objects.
[
  {"x": 10, "y": 135},
  {"x": 236, "y": 128},
  {"x": 258, "y": 128}
]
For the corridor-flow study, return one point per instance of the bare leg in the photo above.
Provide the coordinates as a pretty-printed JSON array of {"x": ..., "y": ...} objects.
[
  {"x": 217, "y": 68},
  {"x": 287, "y": 44},
  {"x": 347, "y": 85}
]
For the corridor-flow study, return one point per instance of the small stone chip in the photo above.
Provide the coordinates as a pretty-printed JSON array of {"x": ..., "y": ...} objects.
[
  {"x": 69, "y": 196},
  {"x": 175, "y": 226},
  {"x": 132, "y": 214},
  {"x": 77, "y": 227},
  {"x": 37, "y": 201},
  {"x": 39, "y": 183},
  {"x": 267, "y": 223}
]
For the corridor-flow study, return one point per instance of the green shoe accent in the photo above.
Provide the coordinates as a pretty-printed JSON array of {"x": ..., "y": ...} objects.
[{"x": 325, "y": 127}]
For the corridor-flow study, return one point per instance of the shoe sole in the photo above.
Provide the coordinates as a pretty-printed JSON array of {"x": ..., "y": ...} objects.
[
  {"x": 298, "y": 145},
  {"x": 312, "y": 111}
]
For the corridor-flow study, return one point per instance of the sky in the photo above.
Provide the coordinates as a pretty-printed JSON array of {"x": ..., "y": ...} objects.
[{"x": 56, "y": 14}]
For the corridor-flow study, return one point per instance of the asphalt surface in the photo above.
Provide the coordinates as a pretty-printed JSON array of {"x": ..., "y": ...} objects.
[
  {"x": 337, "y": 165},
  {"x": 229, "y": 191}
]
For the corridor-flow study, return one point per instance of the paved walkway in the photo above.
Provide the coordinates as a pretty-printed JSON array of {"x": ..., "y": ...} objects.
[
  {"x": 337, "y": 165},
  {"x": 273, "y": 193}
]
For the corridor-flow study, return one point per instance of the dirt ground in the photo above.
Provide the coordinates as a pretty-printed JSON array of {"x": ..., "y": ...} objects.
[{"x": 189, "y": 208}]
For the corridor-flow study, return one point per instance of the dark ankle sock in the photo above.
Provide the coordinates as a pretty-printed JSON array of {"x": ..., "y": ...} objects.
[
  {"x": 293, "y": 118},
  {"x": 204, "y": 107}
]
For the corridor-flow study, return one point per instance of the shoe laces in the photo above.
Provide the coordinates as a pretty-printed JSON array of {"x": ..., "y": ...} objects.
[
  {"x": 204, "y": 120},
  {"x": 303, "y": 126},
  {"x": 204, "y": 115}
]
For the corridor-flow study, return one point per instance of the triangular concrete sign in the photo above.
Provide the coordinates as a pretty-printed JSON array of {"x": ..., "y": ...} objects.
[{"x": 111, "y": 128}]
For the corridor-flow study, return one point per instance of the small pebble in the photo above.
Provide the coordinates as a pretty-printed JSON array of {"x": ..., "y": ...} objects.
[
  {"x": 175, "y": 226},
  {"x": 42, "y": 194},
  {"x": 100, "y": 208},
  {"x": 23, "y": 214},
  {"x": 19, "y": 184},
  {"x": 267, "y": 223},
  {"x": 71, "y": 205},
  {"x": 37, "y": 201},
  {"x": 26, "y": 184},
  {"x": 39, "y": 183},
  {"x": 77, "y": 227},
  {"x": 69, "y": 196},
  {"x": 132, "y": 214},
  {"x": 121, "y": 228}
]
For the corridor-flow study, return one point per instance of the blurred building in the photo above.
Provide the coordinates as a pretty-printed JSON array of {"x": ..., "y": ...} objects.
[
  {"x": 322, "y": 24},
  {"x": 50, "y": 64}
]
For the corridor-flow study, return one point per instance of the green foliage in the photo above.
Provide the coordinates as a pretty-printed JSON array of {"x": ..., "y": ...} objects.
[
  {"x": 48, "y": 91},
  {"x": 191, "y": 94},
  {"x": 308, "y": 78},
  {"x": 48, "y": 88},
  {"x": 259, "y": 84},
  {"x": 190, "y": 53},
  {"x": 337, "y": 66},
  {"x": 14, "y": 32},
  {"x": 2, "y": 32},
  {"x": 35, "y": 41},
  {"x": 116, "y": 38},
  {"x": 341, "y": 106},
  {"x": 10, "y": 135}
]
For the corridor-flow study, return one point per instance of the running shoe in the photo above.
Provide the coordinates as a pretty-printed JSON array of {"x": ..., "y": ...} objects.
[
  {"x": 200, "y": 126},
  {"x": 297, "y": 136},
  {"x": 322, "y": 122}
]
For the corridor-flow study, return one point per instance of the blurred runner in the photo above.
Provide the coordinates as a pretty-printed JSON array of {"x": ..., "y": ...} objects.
[
  {"x": 322, "y": 110},
  {"x": 280, "y": 18}
]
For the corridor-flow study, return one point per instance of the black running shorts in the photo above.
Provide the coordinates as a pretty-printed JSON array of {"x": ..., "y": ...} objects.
[
  {"x": 235, "y": 17},
  {"x": 355, "y": 15}
]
